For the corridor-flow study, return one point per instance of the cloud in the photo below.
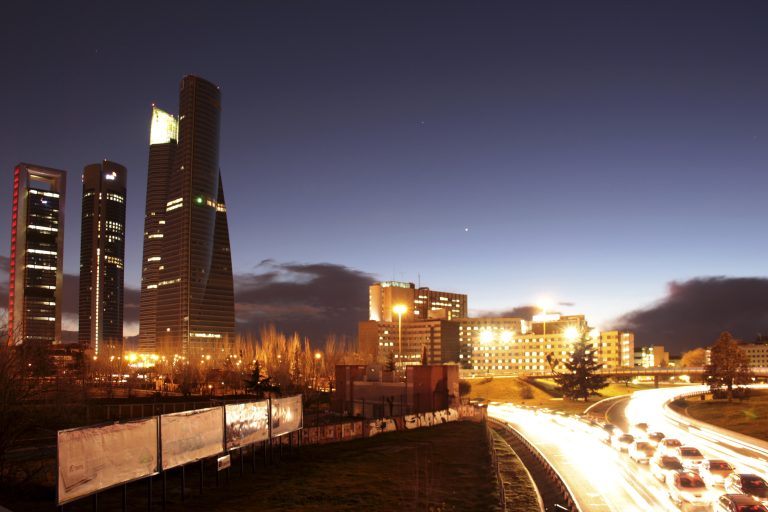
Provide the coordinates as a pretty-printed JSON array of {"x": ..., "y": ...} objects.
[
  {"x": 524, "y": 312},
  {"x": 312, "y": 299},
  {"x": 695, "y": 312}
]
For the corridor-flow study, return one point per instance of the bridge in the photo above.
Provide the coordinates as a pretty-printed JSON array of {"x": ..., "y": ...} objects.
[{"x": 656, "y": 372}]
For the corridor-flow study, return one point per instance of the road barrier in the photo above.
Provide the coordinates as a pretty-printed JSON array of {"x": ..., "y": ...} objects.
[{"x": 553, "y": 476}]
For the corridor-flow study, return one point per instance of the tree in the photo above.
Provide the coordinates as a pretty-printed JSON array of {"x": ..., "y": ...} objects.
[
  {"x": 695, "y": 358},
  {"x": 580, "y": 378},
  {"x": 390, "y": 365},
  {"x": 260, "y": 385},
  {"x": 729, "y": 365}
]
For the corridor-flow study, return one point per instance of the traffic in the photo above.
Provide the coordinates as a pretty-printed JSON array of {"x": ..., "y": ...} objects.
[{"x": 656, "y": 464}]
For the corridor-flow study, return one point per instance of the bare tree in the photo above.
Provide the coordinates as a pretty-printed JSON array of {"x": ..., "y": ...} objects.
[{"x": 729, "y": 365}]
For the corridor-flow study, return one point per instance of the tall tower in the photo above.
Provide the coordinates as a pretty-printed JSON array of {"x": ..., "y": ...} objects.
[
  {"x": 195, "y": 298},
  {"x": 37, "y": 248},
  {"x": 102, "y": 256},
  {"x": 164, "y": 133}
]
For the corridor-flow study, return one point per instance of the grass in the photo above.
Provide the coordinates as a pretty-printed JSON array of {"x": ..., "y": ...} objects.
[
  {"x": 518, "y": 391},
  {"x": 445, "y": 468},
  {"x": 520, "y": 491},
  {"x": 749, "y": 417}
]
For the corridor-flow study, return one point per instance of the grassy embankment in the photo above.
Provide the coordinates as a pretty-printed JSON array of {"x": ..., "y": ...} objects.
[
  {"x": 443, "y": 468},
  {"x": 748, "y": 417},
  {"x": 518, "y": 391}
]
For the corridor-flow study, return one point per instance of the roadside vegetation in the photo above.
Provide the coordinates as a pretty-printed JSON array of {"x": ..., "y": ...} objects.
[
  {"x": 748, "y": 417},
  {"x": 543, "y": 392},
  {"x": 442, "y": 468}
]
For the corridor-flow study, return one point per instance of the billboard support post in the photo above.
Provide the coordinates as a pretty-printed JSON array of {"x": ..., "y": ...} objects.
[
  {"x": 149, "y": 494},
  {"x": 183, "y": 481},
  {"x": 202, "y": 471}
]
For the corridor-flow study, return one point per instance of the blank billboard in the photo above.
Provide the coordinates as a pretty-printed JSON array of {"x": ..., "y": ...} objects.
[
  {"x": 95, "y": 458},
  {"x": 286, "y": 415},
  {"x": 247, "y": 423},
  {"x": 191, "y": 435}
]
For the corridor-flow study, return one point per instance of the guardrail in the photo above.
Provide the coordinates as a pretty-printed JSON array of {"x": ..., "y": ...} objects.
[
  {"x": 495, "y": 462},
  {"x": 554, "y": 476},
  {"x": 716, "y": 433}
]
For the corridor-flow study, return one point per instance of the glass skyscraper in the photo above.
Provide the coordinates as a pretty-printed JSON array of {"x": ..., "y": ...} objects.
[
  {"x": 37, "y": 248},
  {"x": 194, "y": 299},
  {"x": 102, "y": 256}
]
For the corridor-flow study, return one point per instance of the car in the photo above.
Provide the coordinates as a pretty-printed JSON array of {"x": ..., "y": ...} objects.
[
  {"x": 639, "y": 430},
  {"x": 668, "y": 445},
  {"x": 688, "y": 491},
  {"x": 607, "y": 432},
  {"x": 662, "y": 466},
  {"x": 690, "y": 457},
  {"x": 622, "y": 442},
  {"x": 641, "y": 451},
  {"x": 655, "y": 438},
  {"x": 738, "y": 503},
  {"x": 715, "y": 471},
  {"x": 747, "y": 483}
]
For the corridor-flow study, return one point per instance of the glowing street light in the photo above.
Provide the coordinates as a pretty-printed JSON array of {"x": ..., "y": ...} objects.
[
  {"x": 399, "y": 309},
  {"x": 571, "y": 333}
]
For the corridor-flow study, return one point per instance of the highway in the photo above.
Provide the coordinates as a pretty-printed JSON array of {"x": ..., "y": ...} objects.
[
  {"x": 599, "y": 477},
  {"x": 603, "y": 479},
  {"x": 648, "y": 406}
]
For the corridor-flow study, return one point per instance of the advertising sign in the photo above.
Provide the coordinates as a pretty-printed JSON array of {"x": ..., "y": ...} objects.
[
  {"x": 191, "y": 435},
  {"x": 286, "y": 415},
  {"x": 95, "y": 458},
  {"x": 247, "y": 423}
]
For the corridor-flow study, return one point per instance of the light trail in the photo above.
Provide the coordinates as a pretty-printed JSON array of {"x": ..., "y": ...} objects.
[{"x": 600, "y": 478}]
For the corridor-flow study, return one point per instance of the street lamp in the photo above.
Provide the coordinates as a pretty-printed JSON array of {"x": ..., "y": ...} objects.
[{"x": 399, "y": 309}]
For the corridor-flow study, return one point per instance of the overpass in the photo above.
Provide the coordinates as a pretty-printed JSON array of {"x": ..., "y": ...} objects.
[{"x": 657, "y": 373}]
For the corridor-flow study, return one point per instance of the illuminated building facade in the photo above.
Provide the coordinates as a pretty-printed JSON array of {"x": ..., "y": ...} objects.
[
  {"x": 420, "y": 303},
  {"x": 195, "y": 312},
  {"x": 512, "y": 346},
  {"x": 616, "y": 349},
  {"x": 37, "y": 248},
  {"x": 440, "y": 338},
  {"x": 102, "y": 256},
  {"x": 653, "y": 356},
  {"x": 163, "y": 137}
]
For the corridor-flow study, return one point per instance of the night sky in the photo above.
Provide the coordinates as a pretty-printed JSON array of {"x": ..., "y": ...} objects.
[{"x": 591, "y": 152}]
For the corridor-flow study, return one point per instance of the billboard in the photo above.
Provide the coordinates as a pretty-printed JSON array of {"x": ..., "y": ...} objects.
[
  {"x": 286, "y": 415},
  {"x": 95, "y": 458},
  {"x": 191, "y": 435},
  {"x": 247, "y": 423}
]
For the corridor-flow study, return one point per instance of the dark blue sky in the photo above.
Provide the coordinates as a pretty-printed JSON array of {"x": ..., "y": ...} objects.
[{"x": 595, "y": 151}]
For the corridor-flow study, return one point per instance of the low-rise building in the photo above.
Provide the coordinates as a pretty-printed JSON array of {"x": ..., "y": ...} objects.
[
  {"x": 409, "y": 341},
  {"x": 372, "y": 392}
]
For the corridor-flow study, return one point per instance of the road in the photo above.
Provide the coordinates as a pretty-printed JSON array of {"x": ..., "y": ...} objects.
[
  {"x": 603, "y": 479},
  {"x": 599, "y": 477},
  {"x": 648, "y": 406}
]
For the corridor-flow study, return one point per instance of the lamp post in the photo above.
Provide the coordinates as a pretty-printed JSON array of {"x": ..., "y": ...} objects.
[
  {"x": 318, "y": 356},
  {"x": 399, "y": 309}
]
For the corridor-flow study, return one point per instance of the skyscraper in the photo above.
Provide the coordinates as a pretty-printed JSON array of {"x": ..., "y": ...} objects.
[
  {"x": 164, "y": 133},
  {"x": 37, "y": 248},
  {"x": 102, "y": 256},
  {"x": 194, "y": 312}
]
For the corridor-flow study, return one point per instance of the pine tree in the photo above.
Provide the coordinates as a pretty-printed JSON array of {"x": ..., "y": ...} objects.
[{"x": 580, "y": 378}]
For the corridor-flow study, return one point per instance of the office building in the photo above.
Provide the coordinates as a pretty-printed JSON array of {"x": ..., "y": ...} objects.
[
  {"x": 757, "y": 354},
  {"x": 653, "y": 356},
  {"x": 616, "y": 349},
  {"x": 37, "y": 248},
  {"x": 194, "y": 311},
  {"x": 409, "y": 341},
  {"x": 418, "y": 303},
  {"x": 102, "y": 256},
  {"x": 163, "y": 137}
]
